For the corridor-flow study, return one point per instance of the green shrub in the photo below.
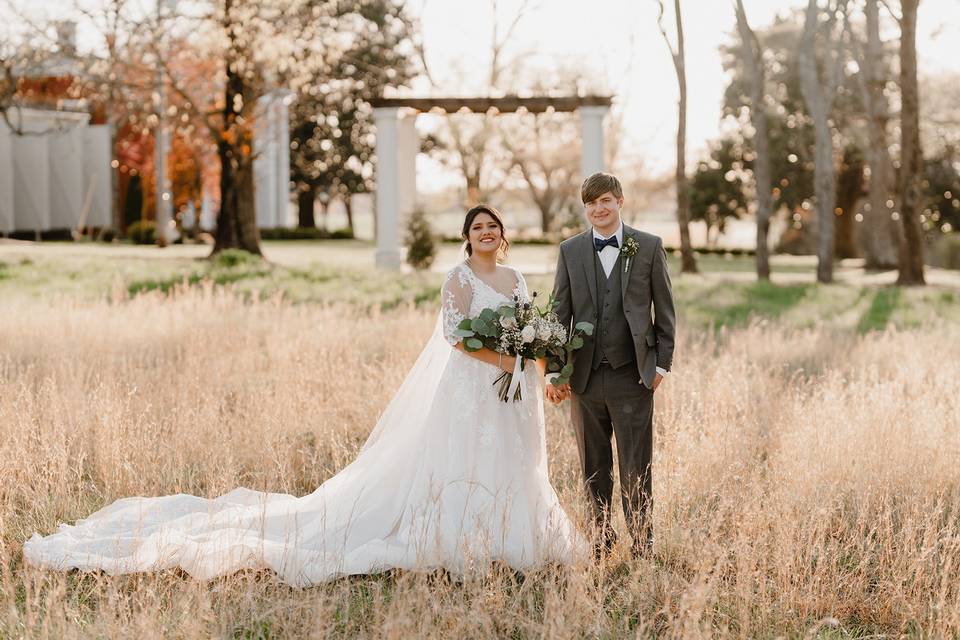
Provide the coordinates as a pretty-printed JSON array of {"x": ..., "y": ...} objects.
[
  {"x": 342, "y": 234},
  {"x": 295, "y": 233},
  {"x": 420, "y": 241},
  {"x": 229, "y": 258},
  {"x": 107, "y": 234},
  {"x": 142, "y": 232},
  {"x": 945, "y": 251},
  {"x": 306, "y": 233}
]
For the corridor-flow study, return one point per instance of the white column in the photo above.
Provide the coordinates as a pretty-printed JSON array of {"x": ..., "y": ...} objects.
[
  {"x": 6, "y": 179},
  {"x": 264, "y": 163},
  {"x": 282, "y": 106},
  {"x": 388, "y": 201},
  {"x": 408, "y": 144},
  {"x": 591, "y": 134}
]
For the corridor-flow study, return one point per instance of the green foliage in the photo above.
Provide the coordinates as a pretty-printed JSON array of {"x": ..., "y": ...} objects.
[
  {"x": 945, "y": 251},
  {"x": 332, "y": 147},
  {"x": 420, "y": 241},
  {"x": 143, "y": 232},
  {"x": 107, "y": 234},
  {"x": 342, "y": 234},
  {"x": 941, "y": 187},
  {"x": 306, "y": 233},
  {"x": 716, "y": 190},
  {"x": 233, "y": 257}
]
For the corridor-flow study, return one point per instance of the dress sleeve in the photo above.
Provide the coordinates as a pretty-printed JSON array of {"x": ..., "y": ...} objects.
[
  {"x": 521, "y": 284},
  {"x": 455, "y": 297}
]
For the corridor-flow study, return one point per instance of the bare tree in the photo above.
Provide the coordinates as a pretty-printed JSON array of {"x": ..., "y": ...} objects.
[
  {"x": 753, "y": 57},
  {"x": 819, "y": 90},
  {"x": 880, "y": 233},
  {"x": 688, "y": 260},
  {"x": 472, "y": 135},
  {"x": 911, "y": 159},
  {"x": 540, "y": 149}
]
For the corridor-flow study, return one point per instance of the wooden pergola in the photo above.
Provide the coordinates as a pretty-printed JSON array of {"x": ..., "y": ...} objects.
[{"x": 398, "y": 143}]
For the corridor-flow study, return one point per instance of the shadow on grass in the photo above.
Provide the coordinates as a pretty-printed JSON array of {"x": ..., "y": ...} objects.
[
  {"x": 763, "y": 299},
  {"x": 885, "y": 302}
]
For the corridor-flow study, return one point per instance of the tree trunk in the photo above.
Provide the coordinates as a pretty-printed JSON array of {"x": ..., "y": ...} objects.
[
  {"x": 879, "y": 233},
  {"x": 324, "y": 209},
  {"x": 753, "y": 56},
  {"x": 688, "y": 261},
  {"x": 824, "y": 176},
  {"x": 911, "y": 254},
  {"x": 305, "y": 209},
  {"x": 473, "y": 188},
  {"x": 237, "y": 220},
  {"x": 849, "y": 192},
  {"x": 348, "y": 207}
]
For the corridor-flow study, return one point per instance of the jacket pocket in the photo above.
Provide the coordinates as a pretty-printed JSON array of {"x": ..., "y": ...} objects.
[{"x": 651, "y": 340}]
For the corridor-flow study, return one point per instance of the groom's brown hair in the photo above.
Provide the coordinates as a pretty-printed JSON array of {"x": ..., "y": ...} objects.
[{"x": 598, "y": 184}]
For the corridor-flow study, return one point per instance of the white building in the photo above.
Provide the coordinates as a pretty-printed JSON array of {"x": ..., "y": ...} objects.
[{"x": 54, "y": 171}]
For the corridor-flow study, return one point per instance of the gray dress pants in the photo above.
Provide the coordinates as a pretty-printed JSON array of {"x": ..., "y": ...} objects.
[{"x": 615, "y": 404}]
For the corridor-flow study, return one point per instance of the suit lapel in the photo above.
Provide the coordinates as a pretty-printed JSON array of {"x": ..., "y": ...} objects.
[
  {"x": 589, "y": 263},
  {"x": 625, "y": 277}
]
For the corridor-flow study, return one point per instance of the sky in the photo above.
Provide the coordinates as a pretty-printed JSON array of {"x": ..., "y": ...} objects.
[{"x": 619, "y": 43}]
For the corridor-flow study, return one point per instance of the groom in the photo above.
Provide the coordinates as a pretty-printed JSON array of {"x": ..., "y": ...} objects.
[{"x": 615, "y": 277}]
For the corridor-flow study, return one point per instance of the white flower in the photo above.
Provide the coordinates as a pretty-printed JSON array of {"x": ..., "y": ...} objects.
[
  {"x": 544, "y": 333},
  {"x": 528, "y": 334},
  {"x": 508, "y": 322}
]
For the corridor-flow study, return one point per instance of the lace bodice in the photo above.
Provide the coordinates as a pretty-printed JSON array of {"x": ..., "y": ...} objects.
[{"x": 465, "y": 295}]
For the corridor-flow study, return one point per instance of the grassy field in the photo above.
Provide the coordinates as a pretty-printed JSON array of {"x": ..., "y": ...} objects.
[{"x": 806, "y": 450}]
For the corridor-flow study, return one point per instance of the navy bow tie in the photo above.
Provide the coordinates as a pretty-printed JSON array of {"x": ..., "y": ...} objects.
[{"x": 609, "y": 242}]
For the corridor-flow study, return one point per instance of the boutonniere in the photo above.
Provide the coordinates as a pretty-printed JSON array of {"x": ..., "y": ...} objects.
[{"x": 629, "y": 249}]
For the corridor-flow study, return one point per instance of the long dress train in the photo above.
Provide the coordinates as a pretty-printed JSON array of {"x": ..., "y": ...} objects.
[{"x": 449, "y": 477}]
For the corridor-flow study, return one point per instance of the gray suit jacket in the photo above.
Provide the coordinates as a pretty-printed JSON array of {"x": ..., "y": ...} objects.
[{"x": 647, "y": 302}]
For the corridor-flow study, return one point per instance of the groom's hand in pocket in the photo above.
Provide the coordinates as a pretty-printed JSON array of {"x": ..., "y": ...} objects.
[{"x": 657, "y": 381}]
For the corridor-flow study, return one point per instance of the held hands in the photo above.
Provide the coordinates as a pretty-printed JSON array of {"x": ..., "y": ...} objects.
[{"x": 557, "y": 393}]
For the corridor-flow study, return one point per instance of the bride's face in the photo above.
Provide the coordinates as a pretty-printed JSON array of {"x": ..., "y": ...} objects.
[{"x": 485, "y": 234}]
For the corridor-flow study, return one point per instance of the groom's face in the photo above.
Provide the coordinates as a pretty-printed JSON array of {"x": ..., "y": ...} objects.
[{"x": 604, "y": 212}]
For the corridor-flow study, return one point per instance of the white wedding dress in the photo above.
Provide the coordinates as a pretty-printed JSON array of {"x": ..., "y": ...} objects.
[{"x": 450, "y": 477}]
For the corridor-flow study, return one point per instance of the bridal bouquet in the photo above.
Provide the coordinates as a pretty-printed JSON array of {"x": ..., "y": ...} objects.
[{"x": 527, "y": 332}]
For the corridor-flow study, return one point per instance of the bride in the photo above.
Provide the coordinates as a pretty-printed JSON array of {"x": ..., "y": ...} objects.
[{"x": 450, "y": 476}]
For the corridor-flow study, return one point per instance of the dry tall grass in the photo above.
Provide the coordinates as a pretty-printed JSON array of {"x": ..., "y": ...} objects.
[{"x": 805, "y": 480}]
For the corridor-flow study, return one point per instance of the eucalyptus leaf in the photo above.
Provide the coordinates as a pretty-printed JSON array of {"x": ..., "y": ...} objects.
[
  {"x": 464, "y": 324},
  {"x": 577, "y": 342},
  {"x": 586, "y": 327},
  {"x": 567, "y": 370},
  {"x": 472, "y": 344},
  {"x": 463, "y": 333}
]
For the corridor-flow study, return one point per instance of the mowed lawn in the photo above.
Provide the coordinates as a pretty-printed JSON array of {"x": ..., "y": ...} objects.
[
  {"x": 806, "y": 447},
  {"x": 725, "y": 293}
]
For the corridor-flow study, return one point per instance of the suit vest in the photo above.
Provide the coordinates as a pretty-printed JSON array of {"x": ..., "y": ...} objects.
[{"x": 612, "y": 338}]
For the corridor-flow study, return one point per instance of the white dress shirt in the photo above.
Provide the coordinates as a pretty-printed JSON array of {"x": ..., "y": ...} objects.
[{"x": 608, "y": 255}]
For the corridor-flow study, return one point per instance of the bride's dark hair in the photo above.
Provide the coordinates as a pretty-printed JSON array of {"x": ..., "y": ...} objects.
[{"x": 493, "y": 213}]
